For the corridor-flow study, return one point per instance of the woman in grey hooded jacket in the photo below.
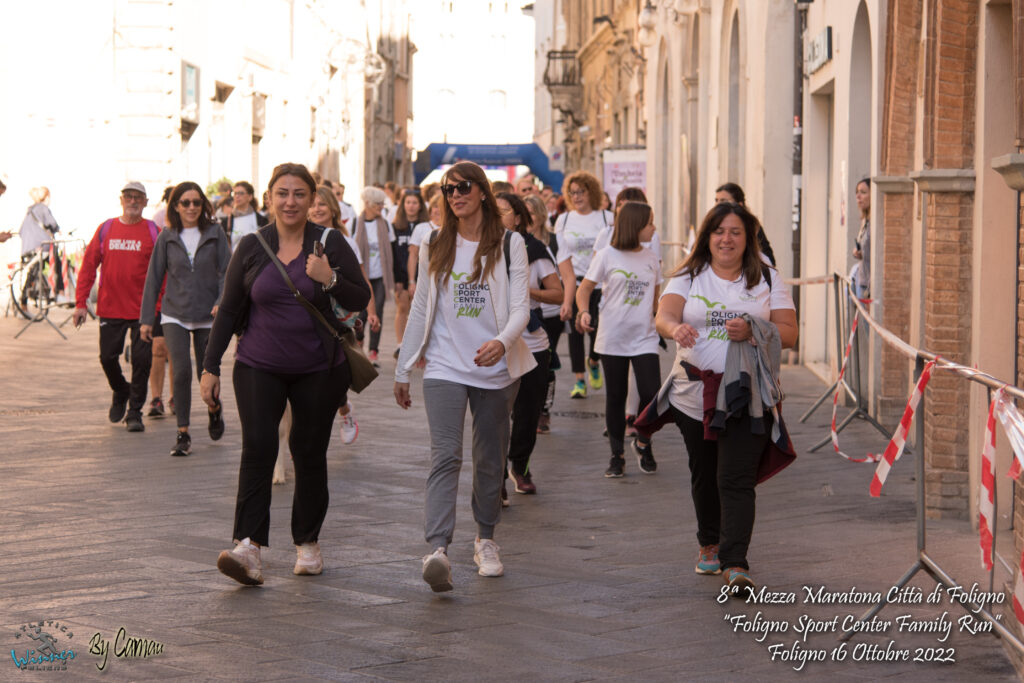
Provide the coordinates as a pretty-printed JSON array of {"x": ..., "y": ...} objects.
[{"x": 193, "y": 254}]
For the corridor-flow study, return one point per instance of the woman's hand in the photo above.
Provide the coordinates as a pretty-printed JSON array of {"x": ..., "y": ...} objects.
[
  {"x": 213, "y": 311},
  {"x": 146, "y": 333},
  {"x": 402, "y": 395},
  {"x": 857, "y": 255},
  {"x": 565, "y": 313},
  {"x": 685, "y": 335},
  {"x": 373, "y": 321},
  {"x": 583, "y": 322},
  {"x": 209, "y": 389},
  {"x": 489, "y": 354},
  {"x": 738, "y": 329},
  {"x": 318, "y": 269}
]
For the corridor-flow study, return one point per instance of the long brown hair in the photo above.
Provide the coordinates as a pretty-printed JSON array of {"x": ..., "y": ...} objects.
[
  {"x": 492, "y": 232},
  {"x": 631, "y": 219},
  {"x": 700, "y": 257},
  {"x": 404, "y": 221}
]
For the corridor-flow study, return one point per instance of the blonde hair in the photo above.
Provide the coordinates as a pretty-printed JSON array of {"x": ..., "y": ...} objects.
[
  {"x": 325, "y": 193},
  {"x": 39, "y": 194},
  {"x": 539, "y": 216}
]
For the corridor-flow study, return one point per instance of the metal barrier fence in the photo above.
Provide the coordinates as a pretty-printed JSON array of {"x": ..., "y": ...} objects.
[{"x": 844, "y": 294}]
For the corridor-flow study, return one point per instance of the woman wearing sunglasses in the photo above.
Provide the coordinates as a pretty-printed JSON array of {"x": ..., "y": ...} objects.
[
  {"x": 193, "y": 254},
  {"x": 467, "y": 320}
]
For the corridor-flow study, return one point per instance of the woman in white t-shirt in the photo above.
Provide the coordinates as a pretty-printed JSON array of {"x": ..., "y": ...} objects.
[
  {"x": 545, "y": 287},
  {"x": 326, "y": 211},
  {"x": 630, "y": 274},
  {"x": 376, "y": 239},
  {"x": 723, "y": 278},
  {"x": 577, "y": 233},
  {"x": 467, "y": 320},
  {"x": 419, "y": 234}
]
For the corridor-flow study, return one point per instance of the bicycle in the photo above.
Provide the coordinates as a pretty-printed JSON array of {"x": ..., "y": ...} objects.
[{"x": 32, "y": 285}]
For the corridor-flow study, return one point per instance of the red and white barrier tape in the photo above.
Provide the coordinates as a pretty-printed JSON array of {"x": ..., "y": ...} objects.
[
  {"x": 987, "y": 497},
  {"x": 899, "y": 440},
  {"x": 52, "y": 276},
  {"x": 839, "y": 390}
]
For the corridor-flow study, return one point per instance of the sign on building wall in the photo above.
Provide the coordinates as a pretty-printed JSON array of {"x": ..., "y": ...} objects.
[
  {"x": 819, "y": 51},
  {"x": 624, "y": 168}
]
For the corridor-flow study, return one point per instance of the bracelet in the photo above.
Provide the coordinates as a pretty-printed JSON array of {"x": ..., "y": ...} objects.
[{"x": 334, "y": 281}]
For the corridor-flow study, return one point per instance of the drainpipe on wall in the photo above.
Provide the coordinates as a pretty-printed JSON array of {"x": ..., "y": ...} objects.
[{"x": 800, "y": 25}]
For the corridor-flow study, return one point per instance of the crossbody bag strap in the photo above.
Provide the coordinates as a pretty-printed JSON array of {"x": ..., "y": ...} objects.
[{"x": 313, "y": 311}]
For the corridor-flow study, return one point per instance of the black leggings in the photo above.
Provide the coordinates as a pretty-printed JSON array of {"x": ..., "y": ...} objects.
[
  {"x": 379, "y": 295},
  {"x": 723, "y": 474},
  {"x": 177, "y": 339},
  {"x": 526, "y": 413},
  {"x": 616, "y": 377},
  {"x": 554, "y": 326},
  {"x": 261, "y": 397},
  {"x": 576, "y": 338}
]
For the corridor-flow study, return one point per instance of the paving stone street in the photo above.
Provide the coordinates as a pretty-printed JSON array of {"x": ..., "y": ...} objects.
[{"x": 102, "y": 529}]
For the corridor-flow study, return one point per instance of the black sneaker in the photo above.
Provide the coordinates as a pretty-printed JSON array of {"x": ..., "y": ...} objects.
[
  {"x": 615, "y": 467},
  {"x": 183, "y": 445},
  {"x": 134, "y": 421},
  {"x": 156, "y": 407},
  {"x": 645, "y": 457},
  {"x": 217, "y": 423},
  {"x": 118, "y": 405}
]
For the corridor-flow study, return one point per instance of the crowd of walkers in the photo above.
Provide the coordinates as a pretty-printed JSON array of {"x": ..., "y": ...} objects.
[{"x": 485, "y": 277}]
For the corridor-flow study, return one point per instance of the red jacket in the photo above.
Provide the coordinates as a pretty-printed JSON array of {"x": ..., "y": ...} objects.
[{"x": 124, "y": 257}]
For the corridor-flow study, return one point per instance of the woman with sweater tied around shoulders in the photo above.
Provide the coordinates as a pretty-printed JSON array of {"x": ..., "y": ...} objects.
[
  {"x": 467, "y": 320},
  {"x": 193, "y": 254},
  {"x": 730, "y": 315},
  {"x": 289, "y": 351}
]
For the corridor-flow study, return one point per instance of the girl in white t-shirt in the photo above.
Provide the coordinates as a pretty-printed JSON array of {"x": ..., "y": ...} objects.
[
  {"x": 577, "y": 233},
  {"x": 723, "y": 278},
  {"x": 545, "y": 287},
  {"x": 467, "y": 320},
  {"x": 630, "y": 274}
]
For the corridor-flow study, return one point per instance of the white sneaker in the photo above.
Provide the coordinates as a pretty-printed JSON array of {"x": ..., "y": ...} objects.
[
  {"x": 308, "y": 562},
  {"x": 486, "y": 557},
  {"x": 242, "y": 563},
  {"x": 349, "y": 427},
  {"x": 437, "y": 571}
]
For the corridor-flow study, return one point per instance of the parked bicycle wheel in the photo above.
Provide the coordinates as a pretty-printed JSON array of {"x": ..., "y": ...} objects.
[
  {"x": 30, "y": 292},
  {"x": 71, "y": 284}
]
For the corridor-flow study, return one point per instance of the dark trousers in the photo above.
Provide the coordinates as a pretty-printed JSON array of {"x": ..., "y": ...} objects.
[
  {"x": 112, "y": 334},
  {"x": 723, "y": 474},
  {"x": 616, "y": 381},
  {"x": 576, "y": 338},
  {"x": 177, "y": 337},
  {"x": 533, "y": 387},
  {"x": 261, "y": 397},
  {"x": 554, "y": 326},
  {"x": 377, "y": 284}
]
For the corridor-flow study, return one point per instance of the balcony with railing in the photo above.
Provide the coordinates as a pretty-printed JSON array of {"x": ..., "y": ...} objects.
[{"x": 562, "y": 79}]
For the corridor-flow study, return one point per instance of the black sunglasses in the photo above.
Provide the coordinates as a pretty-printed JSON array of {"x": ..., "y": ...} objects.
[
  {"x": 462, "y": 187},
  {"x": 186, "y": 203}
]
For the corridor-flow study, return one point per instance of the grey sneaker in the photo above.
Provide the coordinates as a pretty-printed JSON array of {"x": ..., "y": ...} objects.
[
  {"x": 242, "y": 563},
  {"x": 308, "y": 561},
  {"x": 486, "y": 557},
  {"x": 437, "y": 571}
]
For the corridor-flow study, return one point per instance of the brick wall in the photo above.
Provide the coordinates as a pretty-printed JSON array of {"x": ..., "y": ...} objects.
[
  {"x": 947, "y": 332},
  {"x": 902, "y": 53}
]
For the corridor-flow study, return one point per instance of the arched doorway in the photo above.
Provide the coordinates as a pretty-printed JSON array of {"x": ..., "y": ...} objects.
[
  {"x": 663, "y": 162},
  {"x": 735, "y": 157},
  {"x": 860, "y": 108}
]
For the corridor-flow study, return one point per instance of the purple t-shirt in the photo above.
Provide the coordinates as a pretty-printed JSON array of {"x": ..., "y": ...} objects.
[{"x": 281, "y": 335}]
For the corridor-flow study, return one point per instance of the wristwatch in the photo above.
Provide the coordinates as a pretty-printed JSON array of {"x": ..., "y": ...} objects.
[{"x": 334, "y": 281}]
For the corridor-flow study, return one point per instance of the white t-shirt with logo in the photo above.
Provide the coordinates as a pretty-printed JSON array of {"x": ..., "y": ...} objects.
[
  {"x": 242, "y": 226},
  {"x": 537, "y": 340},
  {"x": 710, "y": 302},
  {"x": 374, "y": 269},
  {"x": 577, "y": 235},
  {"x": 464, "y": 321},
  {"x": 630, "y": 280}
]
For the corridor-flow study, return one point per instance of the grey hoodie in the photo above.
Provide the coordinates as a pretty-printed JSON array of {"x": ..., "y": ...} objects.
[{"x": 193, "y": 288}]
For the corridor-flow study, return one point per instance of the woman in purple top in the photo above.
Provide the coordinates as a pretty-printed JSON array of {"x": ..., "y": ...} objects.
[{"x": 284, "y": 355}]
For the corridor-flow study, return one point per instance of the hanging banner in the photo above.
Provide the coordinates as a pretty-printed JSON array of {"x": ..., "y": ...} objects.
[{"x": 624, "y": 168}]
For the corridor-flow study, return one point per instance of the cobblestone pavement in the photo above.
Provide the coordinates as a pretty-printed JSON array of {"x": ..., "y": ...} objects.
[{"x": 102, "y": 529}]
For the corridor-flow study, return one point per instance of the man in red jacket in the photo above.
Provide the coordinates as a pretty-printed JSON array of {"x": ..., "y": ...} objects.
[{"x": 123, "y": 247}]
